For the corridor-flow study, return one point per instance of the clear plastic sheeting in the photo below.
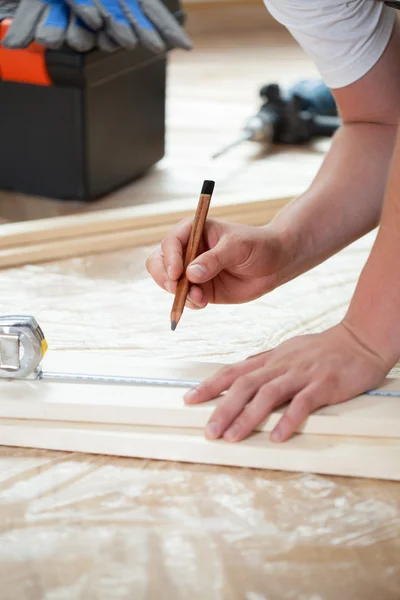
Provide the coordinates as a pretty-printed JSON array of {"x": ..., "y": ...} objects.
[{"x": 96, "y": 527}]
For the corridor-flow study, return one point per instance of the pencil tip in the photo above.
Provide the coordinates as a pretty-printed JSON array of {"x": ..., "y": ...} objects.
[{"x": 173, "y": 325}]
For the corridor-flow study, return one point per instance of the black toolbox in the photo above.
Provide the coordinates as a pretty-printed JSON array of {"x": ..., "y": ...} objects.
[{"x": 87, "y": 125}]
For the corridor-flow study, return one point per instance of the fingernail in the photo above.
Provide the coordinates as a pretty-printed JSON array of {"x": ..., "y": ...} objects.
[
  {"x": 190, "y": 395},
  {"x": 232, "y": 434},
  {"x": 167, "y": 286},
  {"x": 169, "y": 271},
  {"x": 276, "y": 435},
  {"x": 197, "y": 270},
  {"x": 212, "y": 430}
]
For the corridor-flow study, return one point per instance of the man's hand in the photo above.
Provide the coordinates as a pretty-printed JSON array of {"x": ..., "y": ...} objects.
[
  {"x": 309, "y": 372},
  {"x": 237, "y": 263}
]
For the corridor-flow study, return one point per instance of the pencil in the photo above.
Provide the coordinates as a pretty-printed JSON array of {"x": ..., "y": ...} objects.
[{"x": 192, "y": 250}]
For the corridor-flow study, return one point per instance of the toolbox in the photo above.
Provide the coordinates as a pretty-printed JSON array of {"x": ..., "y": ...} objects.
[{"x": 78, "y": 126}]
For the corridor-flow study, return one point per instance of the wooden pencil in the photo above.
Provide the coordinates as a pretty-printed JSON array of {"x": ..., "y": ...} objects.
[{"x": 192, "y": 250}]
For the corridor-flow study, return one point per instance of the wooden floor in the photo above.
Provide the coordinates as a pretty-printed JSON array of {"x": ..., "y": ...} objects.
[{"x": 211, "y": 92}]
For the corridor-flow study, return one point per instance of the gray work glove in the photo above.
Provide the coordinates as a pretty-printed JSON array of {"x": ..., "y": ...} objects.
[
  {"x": 7, "y": 8},
  {"x": 129, "y": 22},
  {"x": 51, "y": 23}
]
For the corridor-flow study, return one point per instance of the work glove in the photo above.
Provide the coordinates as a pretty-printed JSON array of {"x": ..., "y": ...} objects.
[
  {"x": 51, "y": 23},
  {"x": 7, "y": 8},
  {"x": 129, "y": 22}
]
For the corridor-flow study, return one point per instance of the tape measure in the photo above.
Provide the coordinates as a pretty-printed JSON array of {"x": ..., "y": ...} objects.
[{"x": 23, "y": 345}]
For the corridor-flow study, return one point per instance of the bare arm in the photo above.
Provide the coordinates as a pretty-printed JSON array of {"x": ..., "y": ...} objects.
[
  {"x": 374, "y": 312},
  {"x": 345, "y": 200}
]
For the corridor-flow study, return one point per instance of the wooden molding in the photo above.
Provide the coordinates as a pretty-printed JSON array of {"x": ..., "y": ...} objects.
[
  {"x": 328, "y": 455},
  {"x": 364, "y": 416},
  {"x": 68, "y": 236},
  {"x": 360, "y": 437}
]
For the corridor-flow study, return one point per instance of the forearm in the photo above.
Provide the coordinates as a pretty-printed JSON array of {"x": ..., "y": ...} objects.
[
  {"x": 374, "y": 313},
  {"x": 343, "y": 203}
]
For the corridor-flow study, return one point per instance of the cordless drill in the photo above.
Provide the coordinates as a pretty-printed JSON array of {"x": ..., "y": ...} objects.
[{"x": 308, "y": 110}]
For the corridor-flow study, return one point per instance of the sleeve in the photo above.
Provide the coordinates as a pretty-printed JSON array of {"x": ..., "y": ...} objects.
[{"x": 344, "y": 39}]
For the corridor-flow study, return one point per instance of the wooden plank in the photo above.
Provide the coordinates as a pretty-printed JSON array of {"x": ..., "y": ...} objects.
[
  {"x": 328, "y": 455},
  {"x": 364, "y": 416},
  {"x": 134, "y": 217},
  {"x": 81, "y": 245}
]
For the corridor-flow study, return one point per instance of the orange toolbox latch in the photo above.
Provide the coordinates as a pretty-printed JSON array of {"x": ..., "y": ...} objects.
[{"x": 23, "y": 66}]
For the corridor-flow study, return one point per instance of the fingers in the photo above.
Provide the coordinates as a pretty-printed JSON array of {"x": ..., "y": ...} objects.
[
  {"x": 222, "y": 380},
  {"x": 166, "y": 23},
  {"x": 78, "y": 36},
  {"x": 253, "y": 394},
  {"x": 209, "y": 264},
  {"x": 232, "y": 404},
  {"x": 167, "y": 262},
  {"x": 196, "y": 298},
  {"x": 303, "y": 404},
  {"x": 165, "y": 265},
  {"x": 155, "y": 265},
  {"x": 172, "y": 248},
  {"x": 271, "y": 395}
]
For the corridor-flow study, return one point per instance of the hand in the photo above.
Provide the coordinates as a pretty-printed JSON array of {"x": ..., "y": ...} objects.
[
  {"x": 308, "y": 371},
  {"x": 236, "y": 263}
]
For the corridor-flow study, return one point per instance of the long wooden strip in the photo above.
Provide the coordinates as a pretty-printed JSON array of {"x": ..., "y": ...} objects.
[
  {"x": 124, "y": 219},
  {"x": 329, "y": 455},
  {"x": 106, "y": 242},
  {"x": 365, "y": 416}
]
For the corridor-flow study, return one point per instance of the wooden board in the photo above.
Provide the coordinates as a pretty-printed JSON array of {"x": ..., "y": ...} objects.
[
  {"x": 133, "y": 217},
  {"x": 97, "y": 244},
  {"x": 66, "y": 237},
  {"x": 333, "y": 455},
  {"x": 164, "y": 407}
]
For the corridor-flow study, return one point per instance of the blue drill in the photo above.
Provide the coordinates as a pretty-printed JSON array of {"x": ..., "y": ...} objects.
[{"x": 306, "y": 111}]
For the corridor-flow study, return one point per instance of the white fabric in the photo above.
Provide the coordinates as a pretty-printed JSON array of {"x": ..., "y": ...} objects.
[{"x": 344, "y": 39}]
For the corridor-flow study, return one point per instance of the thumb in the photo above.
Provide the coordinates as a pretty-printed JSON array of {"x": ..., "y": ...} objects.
[{"x": 207, "y": 266}]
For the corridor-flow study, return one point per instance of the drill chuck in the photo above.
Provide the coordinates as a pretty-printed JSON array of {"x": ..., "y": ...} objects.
[{"x": 259, "y": 128}]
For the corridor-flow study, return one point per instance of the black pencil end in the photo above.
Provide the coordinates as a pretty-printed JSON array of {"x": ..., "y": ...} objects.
[
  {"x": 173, "y": 325},
  {"x": 208, "y": 187}
]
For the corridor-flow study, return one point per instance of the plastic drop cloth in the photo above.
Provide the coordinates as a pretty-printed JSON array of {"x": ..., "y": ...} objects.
[{"x": 98, "y": 528}]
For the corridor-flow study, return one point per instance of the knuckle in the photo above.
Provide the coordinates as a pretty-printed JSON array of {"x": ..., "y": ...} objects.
[
  {"x": 271, "y": 389},
  {"x": 330, "y": 379},
  {"x": 303, "y": 405},
  {"x": 214, "y": 259},
  {"x": 223, "y": 410},
  {"x": 227, "y": 372},
  {"x": 244, "y": 382},
  {"x": 182, "y": 226},
  {"x": 164, "y": 245},
  {"x": 252, "y": 415}
]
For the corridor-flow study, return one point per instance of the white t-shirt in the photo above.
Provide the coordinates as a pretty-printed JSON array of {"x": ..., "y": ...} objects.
[{"x": 344, "y": 39}]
